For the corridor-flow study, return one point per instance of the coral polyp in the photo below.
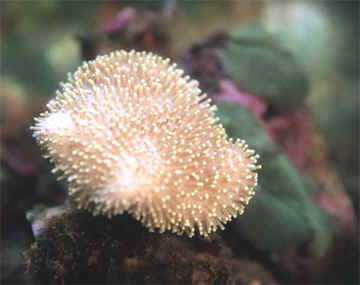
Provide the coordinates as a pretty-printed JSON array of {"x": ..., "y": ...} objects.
[{"x": 131, "y": 133}]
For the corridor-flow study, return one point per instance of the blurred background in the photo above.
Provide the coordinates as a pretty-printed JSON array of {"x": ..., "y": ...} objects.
[{"x": 284, "y": 74}]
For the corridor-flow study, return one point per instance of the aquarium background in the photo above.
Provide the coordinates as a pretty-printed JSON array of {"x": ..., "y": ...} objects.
[{"x": 285, "y": 77}]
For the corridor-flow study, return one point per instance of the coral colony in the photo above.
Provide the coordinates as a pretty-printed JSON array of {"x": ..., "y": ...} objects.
[{"x": 131, "y": 133}]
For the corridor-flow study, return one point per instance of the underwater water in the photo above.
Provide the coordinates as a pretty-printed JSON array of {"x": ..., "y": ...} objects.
[{"x": 284, "y": 77}]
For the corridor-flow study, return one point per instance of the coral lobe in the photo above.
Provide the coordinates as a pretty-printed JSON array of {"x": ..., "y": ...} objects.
[{"x": 131, "y": 133}]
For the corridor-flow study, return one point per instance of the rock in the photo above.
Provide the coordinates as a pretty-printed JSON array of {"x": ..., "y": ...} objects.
[{"x": 76, "y": 247}]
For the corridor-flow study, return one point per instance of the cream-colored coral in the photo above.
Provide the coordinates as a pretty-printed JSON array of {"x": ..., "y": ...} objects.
[{"x": 131, "y": 133}]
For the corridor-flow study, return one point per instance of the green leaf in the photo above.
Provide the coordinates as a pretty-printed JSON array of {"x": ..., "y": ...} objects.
[
  {"x": 257, "y": 62},
  {"x": 282, "y": 214},
  {"x": 240, "y": 122}
]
